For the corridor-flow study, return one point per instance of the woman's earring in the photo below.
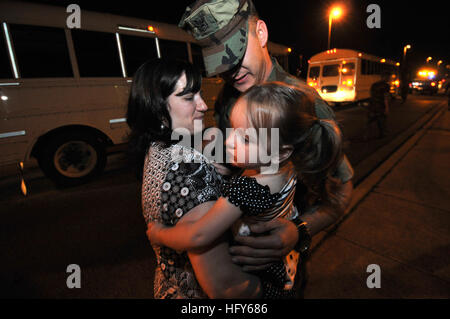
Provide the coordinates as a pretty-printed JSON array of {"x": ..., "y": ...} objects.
[{"x": 162, "y": 127}]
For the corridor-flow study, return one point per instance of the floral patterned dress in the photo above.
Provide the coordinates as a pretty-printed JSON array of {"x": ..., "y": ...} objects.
[{"x": 175, "y": 180}]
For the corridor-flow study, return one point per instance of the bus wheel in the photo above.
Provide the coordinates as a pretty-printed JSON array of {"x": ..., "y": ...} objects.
[{"x": 73, "y": 158}]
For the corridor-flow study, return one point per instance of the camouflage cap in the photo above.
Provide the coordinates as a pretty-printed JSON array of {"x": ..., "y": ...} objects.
[{"x": 221, "y": 28}]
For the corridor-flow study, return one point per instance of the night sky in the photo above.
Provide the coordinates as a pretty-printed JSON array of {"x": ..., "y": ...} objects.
[{"x": 303, "y": 25}]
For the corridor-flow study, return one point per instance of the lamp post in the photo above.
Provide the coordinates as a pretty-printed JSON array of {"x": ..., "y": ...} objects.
[
  {"x": 335, "y": 12},
  {"x": 403, "y": 69},
  {"x": 406, "y": 48}
]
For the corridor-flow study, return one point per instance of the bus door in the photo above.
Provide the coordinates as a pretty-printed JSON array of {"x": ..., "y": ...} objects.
[
  {"x": 348, "y": 76},
  {"x": 314, "y": 75},
  {"x": 330, "y": 79}
]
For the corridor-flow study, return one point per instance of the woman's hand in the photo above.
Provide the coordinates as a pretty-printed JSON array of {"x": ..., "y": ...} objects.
[
  {"x": 221, "y": 169},
  {"x": 152, "y": 232},
  {"x": 256, "y": 253}
]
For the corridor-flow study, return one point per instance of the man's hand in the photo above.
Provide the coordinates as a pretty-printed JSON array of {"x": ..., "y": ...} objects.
[{"x": 277, "y": 238}]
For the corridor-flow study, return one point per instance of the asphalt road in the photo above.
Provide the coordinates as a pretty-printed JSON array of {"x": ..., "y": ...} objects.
[{"x": 99, "y": 226}]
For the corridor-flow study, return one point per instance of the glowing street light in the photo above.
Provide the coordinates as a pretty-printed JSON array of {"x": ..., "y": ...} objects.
[
  {"x": 439, "y": 63},
  {"x": 335, "y": 13},
  {"x": 405, "y": 48},
  {"x": 429, "y": 59}
]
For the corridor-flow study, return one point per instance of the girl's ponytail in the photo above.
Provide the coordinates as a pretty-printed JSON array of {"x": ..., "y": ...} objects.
[{"x": 316, "y": 156}]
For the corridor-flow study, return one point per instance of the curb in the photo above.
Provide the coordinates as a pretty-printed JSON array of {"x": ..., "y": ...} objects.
[
  {"x": 369, "y": 164},
  {"x": 399, "y": 148}
]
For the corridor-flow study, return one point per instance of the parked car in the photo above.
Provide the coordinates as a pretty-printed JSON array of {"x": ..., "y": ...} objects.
[{"x": 423, "y": 86}]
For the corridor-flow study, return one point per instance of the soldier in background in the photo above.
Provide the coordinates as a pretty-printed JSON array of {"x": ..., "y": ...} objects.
[
  {"x": 379, "y": 103},
  {"x": 404, "y": 87}
]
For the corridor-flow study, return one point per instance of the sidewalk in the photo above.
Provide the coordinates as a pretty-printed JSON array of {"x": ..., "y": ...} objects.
[{"x": 401, "y": 224}]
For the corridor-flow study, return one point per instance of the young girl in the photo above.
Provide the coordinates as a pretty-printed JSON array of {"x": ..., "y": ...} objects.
[{"x": 309, "y": 150}]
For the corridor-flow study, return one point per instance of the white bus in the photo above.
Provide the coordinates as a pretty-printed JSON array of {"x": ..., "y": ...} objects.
[
  {"x": 63, "y": 92},
  {"x": 342, "y": 75}
]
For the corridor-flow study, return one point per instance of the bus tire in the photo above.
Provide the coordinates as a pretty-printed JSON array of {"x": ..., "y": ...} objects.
[{"x": 72, "y": 158}]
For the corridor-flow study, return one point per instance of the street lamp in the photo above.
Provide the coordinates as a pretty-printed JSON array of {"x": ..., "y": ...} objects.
[
  {"x": 439, "y": 63},
  {"x": 406, "y": 48},
  {"x": 429, "y": 59},
  {"x": 335, "y": 13}
]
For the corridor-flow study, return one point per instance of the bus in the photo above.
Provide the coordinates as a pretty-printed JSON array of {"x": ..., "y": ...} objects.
[
  {"x": 343, "y": 75},
  {"x": 64, "y": 91}
]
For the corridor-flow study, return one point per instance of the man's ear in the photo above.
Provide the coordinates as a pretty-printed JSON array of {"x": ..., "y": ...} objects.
[{"x": 262, "y": 33}]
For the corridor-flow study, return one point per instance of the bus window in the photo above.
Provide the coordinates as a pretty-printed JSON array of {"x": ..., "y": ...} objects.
[
  {"x": 378, "y": 68},
  {"x": 136, "y": 51},
  {"x": 314, "y": 72},
  {"x": 5, "y": 67},
  {"x": 330, "y": 70},
  {"x": 371, "y": 69},
  {"x": 364, "y": 67},
  {"x": 41, "y": 51},
  {"x": 197, "y": 58},
  {"x": 348, "y": 68},
  {"x": 97, "y": 53},
  {"x": 173, "y": 50}
]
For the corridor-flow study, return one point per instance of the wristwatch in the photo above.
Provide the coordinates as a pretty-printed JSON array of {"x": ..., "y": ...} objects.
[{"x": 304, "y": 237}]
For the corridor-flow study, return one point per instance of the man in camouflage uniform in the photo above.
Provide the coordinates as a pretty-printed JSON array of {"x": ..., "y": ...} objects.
[
  {"x": 234, "y": 44},
  {"x": 379, "y": 105}
]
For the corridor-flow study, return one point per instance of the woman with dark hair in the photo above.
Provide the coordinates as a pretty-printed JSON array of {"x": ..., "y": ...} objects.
[
  {"x": 149, "y": 113},
  {"x": 179, "y": 184}
]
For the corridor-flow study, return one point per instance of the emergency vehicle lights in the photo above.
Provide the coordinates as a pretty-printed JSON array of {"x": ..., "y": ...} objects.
[
  {"x": 430, "y": 74},
  {"x": 331, "y": 51}
]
